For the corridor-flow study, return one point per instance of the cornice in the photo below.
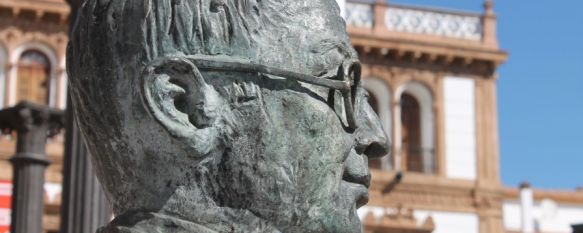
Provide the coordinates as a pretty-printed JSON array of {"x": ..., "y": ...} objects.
[
  {"x": 428, "y": 192},
  {"x": 434, "y": 56},
  {"x": 42, "y": 10},
  {"x": 561, "y": 196}
]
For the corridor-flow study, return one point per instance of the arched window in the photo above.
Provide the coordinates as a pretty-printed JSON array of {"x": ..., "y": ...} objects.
[
  {"x": 416, "y": 129},
  {"x": 411, "y": 133},
  {"x": 33, "y": 78}
]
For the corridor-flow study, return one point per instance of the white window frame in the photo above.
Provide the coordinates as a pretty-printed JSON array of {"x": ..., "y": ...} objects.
[
  {"x": 425, "y": 98},
  {"x": 14, "y": 59}
]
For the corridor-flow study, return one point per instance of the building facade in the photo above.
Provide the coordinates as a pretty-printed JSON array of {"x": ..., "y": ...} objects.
[
  {"x": 432, "y": 78},
  {"x": 431, "y": 75},
  {"x": 33, "y": 39}
]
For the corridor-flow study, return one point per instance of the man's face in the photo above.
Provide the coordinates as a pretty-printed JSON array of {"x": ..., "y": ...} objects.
[{"x": 291, "y": 159}]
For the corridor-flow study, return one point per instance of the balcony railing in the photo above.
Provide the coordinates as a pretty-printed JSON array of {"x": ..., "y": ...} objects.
[
  {"x": 414, "y": 20},
  {"x": 450, "y": 25},
  {"x": 419, "y": 159},
  {"x": 359, "y": 14}
]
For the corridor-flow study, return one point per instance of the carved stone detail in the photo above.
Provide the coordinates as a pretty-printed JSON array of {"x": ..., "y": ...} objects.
[
  {"x": 359, "y": 15},
  {"x": 13, "y": 37},
  {"x": 434, "y": 23}
]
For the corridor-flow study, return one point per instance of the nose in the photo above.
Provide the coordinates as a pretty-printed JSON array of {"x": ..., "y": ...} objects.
[{"x": 371, "y": 139}]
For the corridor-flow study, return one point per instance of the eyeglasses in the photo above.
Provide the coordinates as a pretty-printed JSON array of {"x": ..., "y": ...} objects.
[{"x": 344, "y": 83}]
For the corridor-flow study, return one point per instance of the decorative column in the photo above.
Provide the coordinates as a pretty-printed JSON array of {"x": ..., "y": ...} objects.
[
  {"x": 379, "y": 10},
  {"x": 398, "y": 158},
  {"x": 33, "y": 124},
  {"x": 8, "y": 83},
  {"x": 489, "y": 25}
]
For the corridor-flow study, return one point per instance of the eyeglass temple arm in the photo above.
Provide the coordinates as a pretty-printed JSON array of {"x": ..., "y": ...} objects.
[{"x": 240, "y": 65}]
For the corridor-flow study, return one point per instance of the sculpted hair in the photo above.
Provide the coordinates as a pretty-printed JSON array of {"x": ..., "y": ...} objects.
[{"x": 114, "y": 40}]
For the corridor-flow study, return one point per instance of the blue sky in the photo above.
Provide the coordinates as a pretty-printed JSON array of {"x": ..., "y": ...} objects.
[{"x": 540, "y": 89}]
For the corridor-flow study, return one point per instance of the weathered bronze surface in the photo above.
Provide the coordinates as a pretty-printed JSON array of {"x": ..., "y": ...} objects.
[{"x": 224, "y": 115}]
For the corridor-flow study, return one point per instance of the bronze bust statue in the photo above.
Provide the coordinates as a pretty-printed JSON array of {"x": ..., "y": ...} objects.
[{"x": 224, "y": 115}]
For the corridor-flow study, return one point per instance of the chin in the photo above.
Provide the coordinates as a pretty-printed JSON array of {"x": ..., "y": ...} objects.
[
  {"x": 344, "y": 219},
  {"x": 355, "y": 221},
  {"x": 330, "y": 224}
]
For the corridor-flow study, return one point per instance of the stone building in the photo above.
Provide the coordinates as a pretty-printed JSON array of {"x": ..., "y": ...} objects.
[
  {"x": 432, "y": 78},
  {"x": 431, "y": 75},
  {"x": 33, "y": 38}
]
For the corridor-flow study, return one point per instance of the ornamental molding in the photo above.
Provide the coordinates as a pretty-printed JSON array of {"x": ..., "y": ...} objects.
[
  {"x": 459, "y": 62},
  {"x": 395, "y": 76},
  {"x": 431, "y": 200},
  {"x": 359, "y": 15},
  {"x": 448, "y": 200},
  {"x": 434, "y": 23},
  {"x": 12, "y": 38}
]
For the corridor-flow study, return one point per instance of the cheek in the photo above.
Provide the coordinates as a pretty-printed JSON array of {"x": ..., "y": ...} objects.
[
  {"x": 291, "y": 144},
  {"x": 309, "y": 133},
  {"x": 307, "y": 128}
]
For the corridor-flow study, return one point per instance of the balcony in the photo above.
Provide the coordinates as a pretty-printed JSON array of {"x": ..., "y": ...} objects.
[
  {"x": 381, "y": 28},
  {"x": 419, "y": 160},
  {"x": 415, "y": 20}
]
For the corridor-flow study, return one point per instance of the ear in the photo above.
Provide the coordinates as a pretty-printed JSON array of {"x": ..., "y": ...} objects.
[{"x": 178, "y": 97}]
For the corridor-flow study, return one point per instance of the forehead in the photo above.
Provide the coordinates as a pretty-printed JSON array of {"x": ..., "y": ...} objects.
[{"x": 308, "y": 35}]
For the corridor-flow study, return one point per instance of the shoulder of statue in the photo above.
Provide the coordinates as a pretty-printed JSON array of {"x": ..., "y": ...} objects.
[{"x": 145, "y": 222}]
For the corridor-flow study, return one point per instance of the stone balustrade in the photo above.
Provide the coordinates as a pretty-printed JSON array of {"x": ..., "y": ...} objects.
[
  {"x": 416, "y": 20},
  {"x": 359, "y": 14}
]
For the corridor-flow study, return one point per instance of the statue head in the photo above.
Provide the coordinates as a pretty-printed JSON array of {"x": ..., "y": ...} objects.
[{"x": 214, "y": 106}]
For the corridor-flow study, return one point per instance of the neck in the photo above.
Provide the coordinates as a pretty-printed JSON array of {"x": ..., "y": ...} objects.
[{"x": 191, "y": 211}]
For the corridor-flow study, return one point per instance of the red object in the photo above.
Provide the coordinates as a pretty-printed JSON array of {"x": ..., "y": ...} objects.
[{"x": 5, "y": 202}]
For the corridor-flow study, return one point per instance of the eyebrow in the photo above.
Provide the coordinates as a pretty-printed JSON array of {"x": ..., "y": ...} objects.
[{"x": 223, "y": 63}]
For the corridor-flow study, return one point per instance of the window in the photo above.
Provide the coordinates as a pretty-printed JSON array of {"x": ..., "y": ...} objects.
[
  {"x": 33, "y": 78},
  {"x": 416, "y": 129},
  {"x": 411, "y": 133}
]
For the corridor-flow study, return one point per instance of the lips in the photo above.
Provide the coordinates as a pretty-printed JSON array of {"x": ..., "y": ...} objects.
[
  {"x": 363, "y": 179},
  {"x": 355, "y": 193},
  {"x": 356, "y": 169},
  {"x": 356, "y": 177}
]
